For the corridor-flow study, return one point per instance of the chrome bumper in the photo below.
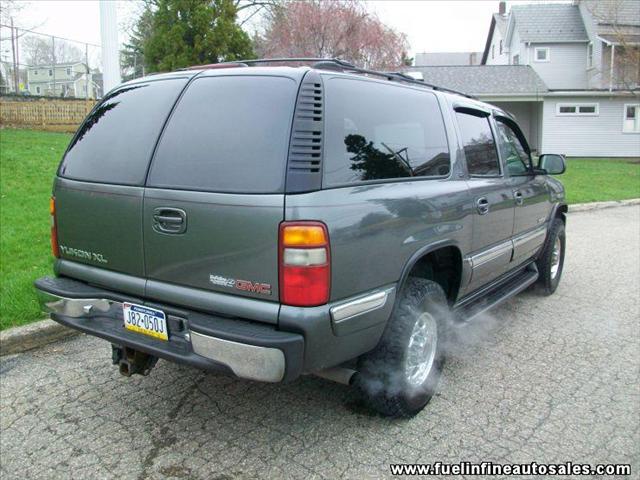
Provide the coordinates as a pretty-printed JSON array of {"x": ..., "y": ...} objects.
[{"x": 266, "y": 364}]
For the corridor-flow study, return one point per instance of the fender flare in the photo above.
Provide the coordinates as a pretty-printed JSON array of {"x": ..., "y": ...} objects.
[
  {"x": 552, "y": 216},
  {"x": 554, "y": 211}
]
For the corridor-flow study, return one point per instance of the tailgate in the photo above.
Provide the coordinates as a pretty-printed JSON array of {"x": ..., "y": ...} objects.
[{"x": 229, "y": 243}]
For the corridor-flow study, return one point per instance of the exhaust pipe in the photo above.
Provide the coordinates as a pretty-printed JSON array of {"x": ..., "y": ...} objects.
[{"x": 341, "y": 375}]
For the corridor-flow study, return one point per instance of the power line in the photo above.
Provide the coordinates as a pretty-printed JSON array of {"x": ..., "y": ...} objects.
[{"x": 48, "y": 35}]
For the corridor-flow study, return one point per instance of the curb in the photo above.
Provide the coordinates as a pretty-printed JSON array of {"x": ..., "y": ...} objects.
[
  {"x": 34, "y": 335},
  {"x": 585, "y": 207}
]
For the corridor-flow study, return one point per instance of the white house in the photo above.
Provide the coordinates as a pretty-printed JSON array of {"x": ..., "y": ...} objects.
[
  {"x": 563, "y": 70},
  {"x": 62, "y": 80}
]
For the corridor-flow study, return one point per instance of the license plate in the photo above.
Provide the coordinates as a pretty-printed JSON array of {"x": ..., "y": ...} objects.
[{"x": 145, "y": 320}]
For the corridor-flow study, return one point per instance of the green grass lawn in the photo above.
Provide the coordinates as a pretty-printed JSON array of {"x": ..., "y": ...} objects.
[
  {"x": 28, "y": 160},
  {"x": 599, "y": 179}
]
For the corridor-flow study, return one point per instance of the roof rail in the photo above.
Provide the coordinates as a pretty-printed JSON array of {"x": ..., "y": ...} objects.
[
  {"x": 338, "y": 64},
  {"x": 410, "y": 79}
]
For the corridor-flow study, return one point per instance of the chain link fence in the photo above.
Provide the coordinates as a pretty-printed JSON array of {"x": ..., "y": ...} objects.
[{"x": 33, "y": 64}]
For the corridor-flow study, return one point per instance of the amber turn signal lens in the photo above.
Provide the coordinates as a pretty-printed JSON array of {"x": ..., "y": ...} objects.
[{"x": 303, "y": 236}]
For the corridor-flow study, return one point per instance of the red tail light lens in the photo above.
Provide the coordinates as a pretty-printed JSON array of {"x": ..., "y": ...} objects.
[
  {"x": 305, "y": 266},
  {"x": 54, "y": 228}
]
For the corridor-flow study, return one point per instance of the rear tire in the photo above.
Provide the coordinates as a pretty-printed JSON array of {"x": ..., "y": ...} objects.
[
  {"x": 399, "y": 377},
  {"x": 551, "y": 260}
]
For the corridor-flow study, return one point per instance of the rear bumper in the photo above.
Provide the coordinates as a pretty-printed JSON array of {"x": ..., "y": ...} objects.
[{"x": 242, "y": 348}]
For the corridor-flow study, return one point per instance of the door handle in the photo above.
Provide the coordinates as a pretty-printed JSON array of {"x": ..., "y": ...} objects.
[
  {"x": 518, "y": 197},
  {"x": 169, "y": 220},
  {"x": 482, "y": 204}
]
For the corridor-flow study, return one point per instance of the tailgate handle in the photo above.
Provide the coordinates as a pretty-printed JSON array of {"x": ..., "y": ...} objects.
[{"x": 169, "y": 220}]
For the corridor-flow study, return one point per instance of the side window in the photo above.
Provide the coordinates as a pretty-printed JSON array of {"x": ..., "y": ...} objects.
[
  {"x": 115, "y": 142},
  {"x": 376, "y": 131},
  {"x": 479, "y": 145},
  {"x": 512, "y": 151}
]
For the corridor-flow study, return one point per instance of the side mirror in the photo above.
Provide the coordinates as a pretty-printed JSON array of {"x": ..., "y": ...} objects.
[{"x": 552, "y": 163}]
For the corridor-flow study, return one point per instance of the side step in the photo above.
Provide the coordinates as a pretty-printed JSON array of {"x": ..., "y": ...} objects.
[{"x": 494, "y": 295}]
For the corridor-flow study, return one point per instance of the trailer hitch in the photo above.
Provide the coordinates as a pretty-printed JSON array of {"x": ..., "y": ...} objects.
[{"x": 131, "y": 362}]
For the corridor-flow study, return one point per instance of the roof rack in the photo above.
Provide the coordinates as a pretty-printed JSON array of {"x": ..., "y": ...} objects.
[{"x": 335, "y": 64}]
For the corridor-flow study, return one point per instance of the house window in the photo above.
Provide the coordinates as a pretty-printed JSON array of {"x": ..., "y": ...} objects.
[
  {"x": 631, "y": 118},
  {"x": 541, "y": 54},
  {"x": 590, "y": 55},
  {"x": 35, "y": 72},
  {"x": 68, "y": 70},
  {"x": 50, "y": 72},
  {"x": 516, "y": 59},
  {"x": 493, "y": 51},
  {"x": 500, "y": 47},
  {"x": 38, "y": 90},
  {"x": 577, "y": 109}
]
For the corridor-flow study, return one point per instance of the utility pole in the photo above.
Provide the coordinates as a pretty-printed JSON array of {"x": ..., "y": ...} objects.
[
  {"x": 86, "y": 76},
  {"x": 109, "y": 41},
  {"x": 14, "y": 40},
  {"x": 53, "y": 67},
  {"x": 17, "y": 61}
]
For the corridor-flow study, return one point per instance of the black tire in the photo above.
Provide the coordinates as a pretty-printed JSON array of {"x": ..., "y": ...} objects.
[
  {"x": 548, "y": 282},
  {"x": 382, "y": 379}
]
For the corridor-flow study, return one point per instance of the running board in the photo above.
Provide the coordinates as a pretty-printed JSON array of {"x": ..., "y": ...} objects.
[{"x": 483, "y": 301}]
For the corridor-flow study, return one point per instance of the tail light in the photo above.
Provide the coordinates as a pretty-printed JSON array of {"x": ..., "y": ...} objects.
[
  {"x": 54, "y": 228},
  {"x": 305, "y": 267}
]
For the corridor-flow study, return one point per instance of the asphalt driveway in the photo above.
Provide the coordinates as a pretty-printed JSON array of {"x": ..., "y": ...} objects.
[{"x": 539, "y": 379}]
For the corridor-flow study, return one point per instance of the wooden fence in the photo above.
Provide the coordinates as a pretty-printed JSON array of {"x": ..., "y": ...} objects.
[{"x": 45, "y": 113}]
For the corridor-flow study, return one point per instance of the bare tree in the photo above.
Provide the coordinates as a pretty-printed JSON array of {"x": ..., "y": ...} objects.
[
  {"x": 338, "y": 28},
  {"x": 614, "y": 24},
  {"x": 39, "y": 50},
  {"x": 250, "y": 9}
]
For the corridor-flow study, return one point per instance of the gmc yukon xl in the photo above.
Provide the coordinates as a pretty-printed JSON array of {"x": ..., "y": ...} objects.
[{"x": 270, "y": 221}]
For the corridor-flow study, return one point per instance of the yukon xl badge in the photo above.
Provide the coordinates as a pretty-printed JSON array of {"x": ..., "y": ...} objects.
[
  {"x": 244, "y": 285},
  {"x": 84, "y": 254}
]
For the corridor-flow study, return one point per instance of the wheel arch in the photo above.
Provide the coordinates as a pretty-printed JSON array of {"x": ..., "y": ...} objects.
[{"x": 421, "y": 264}]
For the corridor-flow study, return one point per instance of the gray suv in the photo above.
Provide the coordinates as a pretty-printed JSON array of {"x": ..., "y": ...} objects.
[{"x": 270, "y": 221}]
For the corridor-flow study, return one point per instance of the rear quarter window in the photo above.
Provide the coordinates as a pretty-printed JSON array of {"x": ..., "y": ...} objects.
[
  {"x": 377, "y": 131},
  {"x": 227, "y": 134},
  {"x": 115, "y": 142}
]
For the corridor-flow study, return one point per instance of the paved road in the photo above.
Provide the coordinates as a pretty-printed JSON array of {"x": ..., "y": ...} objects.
[{"x": 543, "y": 379}]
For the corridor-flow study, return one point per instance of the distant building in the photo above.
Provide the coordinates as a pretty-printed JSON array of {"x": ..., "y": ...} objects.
[
  {"x": 561, "y": 69},
  {"x": 434, "y": 59},
  {"x": 62, "y": 80}
]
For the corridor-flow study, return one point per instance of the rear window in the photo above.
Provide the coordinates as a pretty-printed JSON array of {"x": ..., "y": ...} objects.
[
  {"x": 377, "y": 131},
  {"x": 115, "y": 142},
  {"x": 227, "y": 134}
]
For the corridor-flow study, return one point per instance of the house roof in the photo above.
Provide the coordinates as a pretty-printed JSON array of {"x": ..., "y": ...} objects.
[
  {"x": 618, "y": 39},
  {"x": 547, "y": 23},
  {"x": 448, "y": 58},
  {"x": 618, "y": 12},
  {"x": 57, "y": 65},
  {"x": 485, "y": 79}
]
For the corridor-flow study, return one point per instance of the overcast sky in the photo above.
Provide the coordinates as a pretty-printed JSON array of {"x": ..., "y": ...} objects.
[{"x": 431, "y": 26}]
